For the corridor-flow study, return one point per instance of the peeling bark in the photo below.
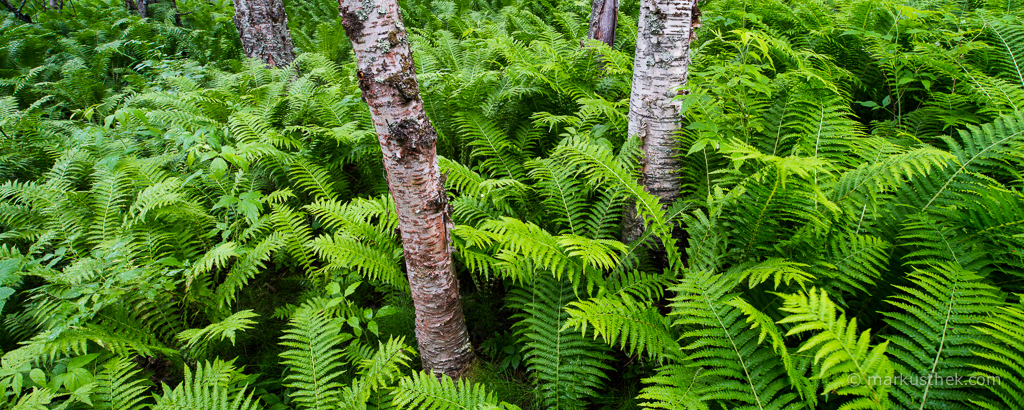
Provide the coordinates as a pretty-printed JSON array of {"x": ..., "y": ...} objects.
[
  {"x": 604, "y": 16},
  {"x": 387, "y": 77},
  {"x": 662, "y": 62},
  {"x": 263, "y": 28}
]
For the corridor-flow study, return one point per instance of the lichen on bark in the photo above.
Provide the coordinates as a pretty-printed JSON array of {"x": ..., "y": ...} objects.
[
  {"x": 387, "y": 78},
  {"x": 263, "y": 29},
  {"x": 661, "y": 63}
]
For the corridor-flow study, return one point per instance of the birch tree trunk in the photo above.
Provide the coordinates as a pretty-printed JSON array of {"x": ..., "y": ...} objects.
[
  {"x": 604, "y": 16},
  {"x": 662, "y": 61},
  {"x": 263, "y": 28},
  {"x": 387, "y": 78}
]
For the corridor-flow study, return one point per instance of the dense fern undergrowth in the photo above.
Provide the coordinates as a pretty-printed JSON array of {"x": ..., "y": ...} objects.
[{"x": 182, "y": 228}]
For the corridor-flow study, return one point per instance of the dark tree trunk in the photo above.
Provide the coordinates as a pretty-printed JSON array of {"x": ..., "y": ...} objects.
[
  {"x": 387, "y": 77},
  {"x": 177, "y": 15},
  {"x": 16, "y": 11},
  {"x": 263, "y": 27},
  {"x": 143, "y": 8},
  {"x": 604, "y": 16},
  {"x": 662, "y": 62}
]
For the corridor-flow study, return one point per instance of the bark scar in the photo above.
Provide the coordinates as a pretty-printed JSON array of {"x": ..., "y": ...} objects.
[
  {"x": 411, "y": 138},
  {"x": 695, "y": 20}
]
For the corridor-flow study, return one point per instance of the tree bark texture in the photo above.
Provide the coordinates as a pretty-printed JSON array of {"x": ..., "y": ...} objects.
[
  {"x": 387, "y": 77},
  {"x": 142, "y": 6},
  {"x": 604, "y": 16},
  {"x": 662, "y": 61},
  {"x": 263, "y": 28}
]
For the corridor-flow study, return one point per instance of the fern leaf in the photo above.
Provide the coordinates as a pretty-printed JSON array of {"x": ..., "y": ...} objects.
[
  {"x": 208, "y": 388},
  {"x": 849, "y": 365},
  {"x": 120, "y": 387},
  {"x": 1003, "y": 375},
  {"x": 936, "y": 333},
  {"x": 314, "y": 357},
  {"x": 425, "y": 391},
  {"x": 566, "y": 366}
]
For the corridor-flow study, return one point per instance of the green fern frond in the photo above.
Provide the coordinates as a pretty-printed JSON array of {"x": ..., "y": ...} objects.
[
  {"x": 981, "y": 150},
  {"x": 425, "y": 391},
  {"x": 313, "y": 179},
  {"x": 110, "y": 194},
  {"x": 849, "y": 365},
  {"x": 675, "y": 387},
  {"x": 377, "y": 261},
  {"x": 854, "y": 264},
  {"x": 797, "y": 376},
  {"x": 567, "y": 367},
  {"x": 1003, "y": 374},
  {"x": 314, "y": 358},
  {"x": 297, "y": 234},
  {"x": 247, "y": 267},
  {"x": 936, "y": 328},
  {"x": 491, "y": 146},
  {"x": 635, "y": 328},
  {"x": 198, "y": 340},
  {"x": 210, "y": 387},
  {"x": 564, "y": 195},
  {"x": 120, "y": 387},
  {"x": 716, "y": 338},
  {"x": 602, "y": 169},
  {"x": 216, "y": 258},
  {"x": 378, "y": 372}
]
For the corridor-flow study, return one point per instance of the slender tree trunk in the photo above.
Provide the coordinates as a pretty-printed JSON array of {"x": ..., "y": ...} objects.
[
  {"x": 57, "y": 5},
  {"x": 143, "y": 8},
  {"x": 263, "y": 28},
  {"x": 387, "y": 77},
  {"x": 662, "y": 61},
  {"x": 604, "y": 16},
  {"x": 177, "y": 15}
]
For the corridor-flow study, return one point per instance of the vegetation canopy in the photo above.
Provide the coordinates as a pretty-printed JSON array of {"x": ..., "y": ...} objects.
[{"x": 182, "y": 227}]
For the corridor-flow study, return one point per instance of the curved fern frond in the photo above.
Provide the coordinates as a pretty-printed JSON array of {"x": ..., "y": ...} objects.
[
  {"x": 120, "y": 387},
  {"x": 716, "y": 338},
  {"x": 635, "y": 328},
  {"x": 849, "y": 365},
  {"x": 936, "y": 328},
  {"x": 425, "y": 391}
]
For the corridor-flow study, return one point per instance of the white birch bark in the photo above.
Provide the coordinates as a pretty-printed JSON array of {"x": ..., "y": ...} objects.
[
  {"x": 662, "y": 60},
  {"x": 409, "y": 144}
]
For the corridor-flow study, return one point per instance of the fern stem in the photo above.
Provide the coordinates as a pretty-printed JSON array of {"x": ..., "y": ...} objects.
[
  {"x": 735, "y": 349},
  {"x": 942, "y": 341},
  {"x": 964, "y": 166}
]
